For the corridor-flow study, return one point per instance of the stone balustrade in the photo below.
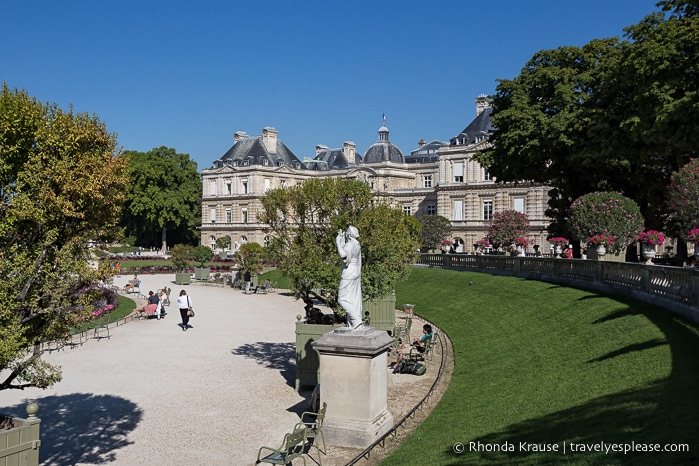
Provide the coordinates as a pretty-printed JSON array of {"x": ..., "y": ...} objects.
[{"x": 672, "y": 288}]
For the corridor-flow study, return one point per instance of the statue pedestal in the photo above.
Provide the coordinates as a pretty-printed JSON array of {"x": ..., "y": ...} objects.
[{"x": 354, "y": 384}]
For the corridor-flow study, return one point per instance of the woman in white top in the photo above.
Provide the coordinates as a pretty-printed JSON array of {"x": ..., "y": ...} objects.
[{"x": 184, "y": 303}]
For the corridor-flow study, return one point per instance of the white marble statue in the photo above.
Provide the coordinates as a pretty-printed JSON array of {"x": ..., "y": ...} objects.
[{"x": 349, "y": 294}]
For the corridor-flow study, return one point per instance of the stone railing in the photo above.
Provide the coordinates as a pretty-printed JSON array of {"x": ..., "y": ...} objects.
[{"x": 673, "y": 288}]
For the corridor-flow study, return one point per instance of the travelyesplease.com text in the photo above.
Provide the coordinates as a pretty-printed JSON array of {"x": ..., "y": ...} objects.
[{"x": 569, "y": 447}]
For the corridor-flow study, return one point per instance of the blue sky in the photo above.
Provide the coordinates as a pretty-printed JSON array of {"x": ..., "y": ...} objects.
[{"x": 189, "y": 74}]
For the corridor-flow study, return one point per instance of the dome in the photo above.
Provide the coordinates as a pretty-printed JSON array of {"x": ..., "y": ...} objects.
[{"x": 383, "y": 150}]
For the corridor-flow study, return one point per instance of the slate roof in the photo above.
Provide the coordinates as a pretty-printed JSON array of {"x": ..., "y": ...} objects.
[
  {"x": 332, "y": 159},
  {"x": 426, "y": 153},
  {"x": 383, "y": 150},
  {"x": 481, "y": 127},
  {"x": 252, "y": 151}
]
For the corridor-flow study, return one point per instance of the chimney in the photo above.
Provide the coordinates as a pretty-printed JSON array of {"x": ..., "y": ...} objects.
[
  {"x": 269, "y": 139},
  {"x": 320, "y": 148},
  {"x": 239, "y": 136},
  {"x": 482, "y": 102},
  {"x": 349, "y": 149}
]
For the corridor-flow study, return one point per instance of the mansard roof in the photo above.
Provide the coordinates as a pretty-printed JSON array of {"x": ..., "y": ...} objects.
[
  {"x": 252, "y": 151},
  {"x": 427, "y": 152},
  {"x": 479, "y": 129}
]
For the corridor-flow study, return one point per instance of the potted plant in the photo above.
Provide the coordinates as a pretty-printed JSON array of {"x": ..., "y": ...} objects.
[
  {"x": 521, "y": 244},
  {"x": 202, "y": 254},
  {"x": 600, "y": 242},
  {"x": 693, "y": 236},
  {"x": 180, "y": 256},
  {"x": 558, "y": 242},
  {"x": 482, "y": 245},
  {"x": 649, "y": 240}
]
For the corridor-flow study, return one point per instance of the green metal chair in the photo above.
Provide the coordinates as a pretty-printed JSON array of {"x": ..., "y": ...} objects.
[
  {"x": 98, "y": 330},
  {"x": 424, "y": 355},
  {"x": 293, "y": 447},
  {"x": 314, "y": 428}
]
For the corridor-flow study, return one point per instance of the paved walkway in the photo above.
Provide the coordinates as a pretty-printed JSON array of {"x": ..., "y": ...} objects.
[{"x": 153, "y": 394}]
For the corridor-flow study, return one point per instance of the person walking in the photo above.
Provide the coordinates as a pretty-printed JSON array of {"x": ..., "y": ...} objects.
[{"x": 184, "y": 303}]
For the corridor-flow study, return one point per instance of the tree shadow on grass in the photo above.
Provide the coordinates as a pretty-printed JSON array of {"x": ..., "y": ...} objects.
[
  {"x": 82, "y": 428},
  {"x": 280, "y": 356},
  {"x": 661, "y": 413}
]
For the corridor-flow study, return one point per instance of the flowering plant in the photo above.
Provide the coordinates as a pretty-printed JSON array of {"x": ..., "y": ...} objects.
[
  {"x": 522, "y": 242},
  {"x": 506, "y": 226},
  {"x": 447, "y": 242},
  {"x": 606, "y": 213},
  {"x": 601, "y": 240},
  {"x": 651, "y": 236},
  {"x": 482, "y": 243},
  {"x": 693, "y": 235},
  {"x": 558, "y": 241}
]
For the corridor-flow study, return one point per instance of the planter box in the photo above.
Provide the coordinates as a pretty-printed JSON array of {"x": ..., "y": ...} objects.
[
  {"x": 20, "y": 445},
  {"x": 307, "y": 357},
  {"x": 202, "y": 273},
  {"x": 381, "y": 312},
  {"x": 183, "y": 278}
]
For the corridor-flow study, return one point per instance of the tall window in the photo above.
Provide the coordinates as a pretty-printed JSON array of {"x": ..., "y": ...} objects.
[
  {"x": 212, "y": 214},
  {"x": 244, "y": 215},
  {"x": 459, "y": 172},
  {"x": 212, "y": 187},
  {"x": 266, "y": 241},
  {"x": 486, "y": 175},
  {"x": 431, "y": 209},
  {"x": 487, "y": 209},
  {"x": 406, "y": 209},
  {"x": 268, "y": 184},
  {"x": 228, "y": 216},
  {"x": 427, "y": 181},
  {"x": 283, "y": 184},
  {"x": 229, "y": 188},
  {"x": 519, "y": 204},
  {"x": 458, "y": 210},
  {"x": 245, "y": 186}
]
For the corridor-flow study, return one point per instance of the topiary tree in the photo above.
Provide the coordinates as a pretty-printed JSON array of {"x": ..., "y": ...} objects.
[
  {"x": 249, "y": 257},
  {"x": 202, "y": 254},
  {"x": 434, "y": 228},
  {"x": 181, "y": 255},
  {"x": 224, "y": 242},
  {"x": 506, "y": 226},
  {"x": 607, "y": 213}
]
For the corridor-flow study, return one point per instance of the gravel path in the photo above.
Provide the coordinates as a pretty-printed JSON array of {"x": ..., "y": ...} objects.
[{"x": 153, "y": 394}]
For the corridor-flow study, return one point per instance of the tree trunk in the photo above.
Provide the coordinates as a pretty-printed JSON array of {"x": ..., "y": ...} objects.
[{"x": 164, "y": 239}]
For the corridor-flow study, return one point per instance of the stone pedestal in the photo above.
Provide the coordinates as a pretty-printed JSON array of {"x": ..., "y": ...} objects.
[{"x": 354, "y": 384}]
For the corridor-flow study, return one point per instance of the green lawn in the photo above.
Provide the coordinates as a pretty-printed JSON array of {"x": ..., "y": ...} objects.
[{"x": 548, "y": 365}]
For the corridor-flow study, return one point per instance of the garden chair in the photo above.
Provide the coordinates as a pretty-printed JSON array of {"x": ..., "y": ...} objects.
[
  {"x": 314, "y": 428},
  {"x": 98, "y": 333},
  {"x": 424, "y": 355},
  {"x": 166, "y": 301},
  {"x": 293, "y": 446}
]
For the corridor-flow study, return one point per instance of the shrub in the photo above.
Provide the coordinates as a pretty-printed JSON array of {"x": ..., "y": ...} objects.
[{"x": 506, "y": 226}]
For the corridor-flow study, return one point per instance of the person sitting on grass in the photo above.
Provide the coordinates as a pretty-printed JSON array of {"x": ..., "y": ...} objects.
[
  {"x": 420, "y": 345},
  {"x": 132, "y": 284}
]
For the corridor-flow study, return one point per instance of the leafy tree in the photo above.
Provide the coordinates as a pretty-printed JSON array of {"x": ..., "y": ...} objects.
[
  {"x": 506, "y": 226},
  {"x": 61, "y": 185},
  {"x": 224, "y": 242},
  {"x": 164, "y": 194},
  {"x": 305, "y": 220},
  {"x": 606, "y": 213},
  {"x": 202, "y": 254},
  {"x": 180, "y": 255},
  {"x": 249, "y": 257},
  {"x": 434, "y": 228}
]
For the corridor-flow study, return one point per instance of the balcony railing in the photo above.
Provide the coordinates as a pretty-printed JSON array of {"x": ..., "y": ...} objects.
[{"x": 672, "y": 288}]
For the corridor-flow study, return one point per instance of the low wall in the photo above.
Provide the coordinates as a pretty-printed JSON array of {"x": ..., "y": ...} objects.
[{"x": 672, "y": 288}]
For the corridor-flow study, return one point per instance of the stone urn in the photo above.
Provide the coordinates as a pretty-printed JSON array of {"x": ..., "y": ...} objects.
[
  {"x": 558, "y": 250},
  {"x": 601, "y": 251},
  {"x": 648, "y": 252}
]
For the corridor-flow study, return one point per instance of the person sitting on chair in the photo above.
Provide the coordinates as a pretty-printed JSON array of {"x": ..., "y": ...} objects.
[
  {"x": 264, "y": 286},
  {"x": 419, "y": 344},
  {"x": 132, "y": 284}
]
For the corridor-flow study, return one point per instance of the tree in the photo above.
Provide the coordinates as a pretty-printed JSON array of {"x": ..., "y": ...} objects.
[
  {"x": 202, "y": 254},
  {"x": 305, "y": 220},
  {"x": 164, "y": 194},
  {"x": 506, "y": 226},
  {"x": 180, "y": 255},
  {"x": 249, "y": 257},
  {"x": 434, "y": 228},
  {"x": 61, "y": 185},
  {"x": 224, "y": 242},
  {"x": 606, "y": 213},
  {"x": 683, "y": 204}
]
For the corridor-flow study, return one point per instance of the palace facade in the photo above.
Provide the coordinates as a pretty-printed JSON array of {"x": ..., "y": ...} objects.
[{"x": 437, "y": 177}]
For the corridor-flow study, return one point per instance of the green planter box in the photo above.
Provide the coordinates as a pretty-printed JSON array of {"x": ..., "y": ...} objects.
[
  {"x": 20, "y": 445},
  {"x": 307, "y": 358},
  {"x": 183, "y": 278},
  {"x": 202, "y": 273},
  {"x": 381, "y": 312}
]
